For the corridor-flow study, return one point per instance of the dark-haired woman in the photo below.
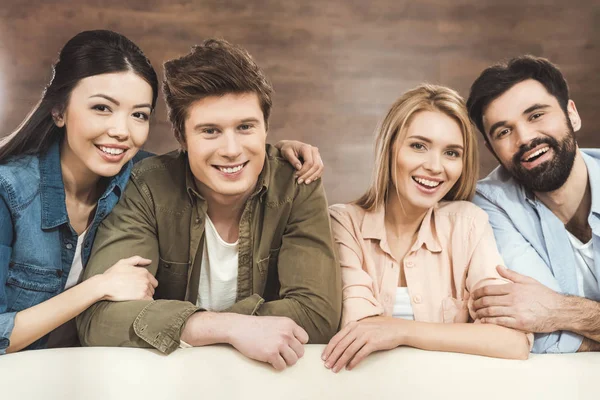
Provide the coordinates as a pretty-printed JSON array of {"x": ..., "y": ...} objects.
[{"x": 61, "y": 172}]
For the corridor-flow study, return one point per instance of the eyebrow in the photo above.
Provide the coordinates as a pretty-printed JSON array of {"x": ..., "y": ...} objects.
[
  {"x": 211, "y": 125},
  {"x": 427, "y": 140},
  {"x": 536, "y": 106},
  {"x": 114, "y": 101}
]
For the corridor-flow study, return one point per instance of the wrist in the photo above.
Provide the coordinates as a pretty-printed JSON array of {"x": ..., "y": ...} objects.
[
  {"x": 558, "y": 317},
  {"x": 97, "y": 287},
  {"x": 402, "y": 331},
  {"x": 205, "y": 327}
]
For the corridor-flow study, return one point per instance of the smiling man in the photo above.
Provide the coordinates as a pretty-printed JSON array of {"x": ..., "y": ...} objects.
[
  {"x": 543, "y": 202},
  {"x": 242, "y": 253}
]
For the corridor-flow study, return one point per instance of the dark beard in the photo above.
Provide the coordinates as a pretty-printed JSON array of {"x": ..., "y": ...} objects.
[{"x": 550, "y": 175}]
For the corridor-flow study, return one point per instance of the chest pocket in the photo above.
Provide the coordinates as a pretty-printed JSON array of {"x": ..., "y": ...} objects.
[
  {"x": 269, "y": 275},
  {"x": 28, "y": 285},
  {"x": 172, "y": 280}
]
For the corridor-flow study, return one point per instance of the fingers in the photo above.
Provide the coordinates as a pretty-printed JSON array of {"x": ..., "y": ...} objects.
[
  {"x": 339, "y": 349},
  {"x": 278, "y": 362},
  {"x": 492, "y": 290},
  {"x": 334, "y": 342},
  {"x": 308, "y": 162},
  {"x": 297, "y": 347},
  {"x": 508, "y": 322},
  {"x": 300, "y": 334},
  {"x": 289, "y": 355},
  {"x": 492, "y": 301},
  {"x": 311, "y": 171},
  {"x": 511, "y": 275},
  {"x": 136, "y": 260},
  {"x": 493, "y": 311},
  {"x": 361, "y": 355},
  {"x": 290, "y": 155},
  {"x": 152, "y": 280},
  {"x": 348, "y": 354}
]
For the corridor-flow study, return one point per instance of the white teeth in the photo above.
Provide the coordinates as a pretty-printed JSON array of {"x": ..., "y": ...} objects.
[
  {"x": 537, "y": 153},
  {"x": 427, "y": 182},
  {"x": 231, "y": 170},
  {"x": 111, "y": 150}
]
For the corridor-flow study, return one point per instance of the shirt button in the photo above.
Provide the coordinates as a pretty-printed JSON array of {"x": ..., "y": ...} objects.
[
  {"x": 417, "y": 299},
  {"x": 409, "y": 264},
  {"x": 197, "y": 220},
  {"x": 69, "y": 246}
]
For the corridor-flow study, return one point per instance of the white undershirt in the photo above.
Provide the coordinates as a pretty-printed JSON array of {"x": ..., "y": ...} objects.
[
  {"x": 402, "y": 306},
  {"x": 76, "y": 265},
  {"x": 587, "y": 282},
  {"x": 218, "y": 272}
]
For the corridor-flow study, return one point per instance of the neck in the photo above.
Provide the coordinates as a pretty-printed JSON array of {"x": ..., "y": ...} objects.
[
  {"x": 572, "y": 201},
  {"x": 400, "y": 220},
  {"x": 80, "y": 183},
  {"x": 223, "y": 208}
]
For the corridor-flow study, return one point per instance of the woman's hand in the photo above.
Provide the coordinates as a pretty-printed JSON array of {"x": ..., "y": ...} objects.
[
  {"x": 310, "y": 168},
  {"x": 129, "y": 280},
  {"x": 359, "y": 339}
]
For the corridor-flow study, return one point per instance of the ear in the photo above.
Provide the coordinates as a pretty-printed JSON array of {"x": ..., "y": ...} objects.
[
  {"x": 58, "y": 118},
  {"x": 573, "y": 115}
]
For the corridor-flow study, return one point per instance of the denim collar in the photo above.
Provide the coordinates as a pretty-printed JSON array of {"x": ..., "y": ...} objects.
[{"x": 52, "y": 189}]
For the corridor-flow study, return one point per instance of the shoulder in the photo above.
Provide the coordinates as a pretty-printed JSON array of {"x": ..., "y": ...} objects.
[
  {"x": 154, "y": 169},
  {"x": 592, "y": 153},
  {"x": 500, "y": 187},
  {"x": 19, "y": 177},
  {"x": 458, "y": 214},
  {"x": 347, "y": 213}
]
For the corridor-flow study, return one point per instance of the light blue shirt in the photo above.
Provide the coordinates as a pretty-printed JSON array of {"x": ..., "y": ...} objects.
[{"x": 534, "y": 242}]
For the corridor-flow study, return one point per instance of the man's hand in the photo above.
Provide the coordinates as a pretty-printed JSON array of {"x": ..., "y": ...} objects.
[
  {"x": 275, "y": 340},
  {"x": 524, "y": 304},
  {"x": 310, "y": 168},
  {"x": 359, "y": 339}
]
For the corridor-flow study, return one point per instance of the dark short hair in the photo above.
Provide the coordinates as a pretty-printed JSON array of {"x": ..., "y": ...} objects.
[
  {"x": 214, "y": 68},
  {"x": 499, "y": 78}
]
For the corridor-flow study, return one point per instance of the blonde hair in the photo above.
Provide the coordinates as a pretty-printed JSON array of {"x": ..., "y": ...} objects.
[{"x": 392, "y": 130}]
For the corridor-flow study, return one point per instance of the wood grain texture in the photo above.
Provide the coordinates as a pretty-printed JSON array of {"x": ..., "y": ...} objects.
[{"x": 336, "y": 65}]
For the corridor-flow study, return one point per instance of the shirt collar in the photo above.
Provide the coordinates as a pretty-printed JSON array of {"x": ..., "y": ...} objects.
[
  {"x": 373, "y": 227},
  {"x": 52, "y": 188}
]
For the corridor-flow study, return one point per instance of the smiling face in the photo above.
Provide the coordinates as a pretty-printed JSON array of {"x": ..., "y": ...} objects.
[
  {"x": 531, "y": 136},
  {"x": 429, "y": 160},
  {"x": 225, "y": 138},
  {"x": 106, "y": 122}
]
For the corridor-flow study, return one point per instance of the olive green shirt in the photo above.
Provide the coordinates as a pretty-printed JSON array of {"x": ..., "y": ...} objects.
[{"x": 286, "y": 260}]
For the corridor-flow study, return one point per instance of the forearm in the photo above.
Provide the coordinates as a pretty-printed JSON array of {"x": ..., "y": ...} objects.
[
  {"x": 320, "y": 325},
  {"x": 206, "y": 328},
  {"x": 579, "y": 315},
  {"x": 478, "y": 339},
  {"x": 37, "y": 321}
]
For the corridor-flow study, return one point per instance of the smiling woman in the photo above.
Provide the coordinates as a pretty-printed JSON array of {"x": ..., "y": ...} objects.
[
  {"x": 411, "y": 249},
  {"x": 61, "y": 173}
]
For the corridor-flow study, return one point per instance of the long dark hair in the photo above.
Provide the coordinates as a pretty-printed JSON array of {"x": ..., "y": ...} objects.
[{"x": 87, "y": 54}]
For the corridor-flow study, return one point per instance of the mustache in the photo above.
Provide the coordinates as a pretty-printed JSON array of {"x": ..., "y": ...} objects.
[{"x": 524, "y": 148}]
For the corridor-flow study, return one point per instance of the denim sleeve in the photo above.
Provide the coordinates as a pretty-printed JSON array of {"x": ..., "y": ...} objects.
[
  {"x": 520, "y": 256},
  {"x": 7, "y": 320}
]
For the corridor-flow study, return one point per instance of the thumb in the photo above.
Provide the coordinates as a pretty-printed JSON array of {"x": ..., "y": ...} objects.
[{"x": 508, "y": 274}]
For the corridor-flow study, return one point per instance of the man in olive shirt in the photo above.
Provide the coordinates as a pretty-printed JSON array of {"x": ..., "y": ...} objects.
[{"x": 228, "y": 230}]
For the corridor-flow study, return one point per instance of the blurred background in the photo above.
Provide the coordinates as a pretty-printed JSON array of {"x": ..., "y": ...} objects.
[{"x": 336, "y": 66}]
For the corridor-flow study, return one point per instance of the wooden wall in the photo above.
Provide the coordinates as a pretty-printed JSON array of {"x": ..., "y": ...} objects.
[{"x": 336, "y": 65}]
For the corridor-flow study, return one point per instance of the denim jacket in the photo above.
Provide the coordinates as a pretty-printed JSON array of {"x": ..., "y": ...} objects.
[
  {"x": 37, "y": 243},
  {"x": 534, "y": 242}
]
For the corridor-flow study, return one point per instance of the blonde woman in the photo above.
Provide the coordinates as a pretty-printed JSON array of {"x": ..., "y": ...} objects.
[{"x": 413, "y": 248}]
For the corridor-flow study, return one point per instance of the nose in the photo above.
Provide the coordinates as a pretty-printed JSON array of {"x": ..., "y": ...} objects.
[
  {"x": 119, "y": 129},
  {"x": 524, "y": 135},
  {"x": 231, "y": 147},
  {"x": 433, "y": 163}
]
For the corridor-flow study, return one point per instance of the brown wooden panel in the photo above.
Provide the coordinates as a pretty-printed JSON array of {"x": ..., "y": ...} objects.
[{"x": 336, "y": 65}]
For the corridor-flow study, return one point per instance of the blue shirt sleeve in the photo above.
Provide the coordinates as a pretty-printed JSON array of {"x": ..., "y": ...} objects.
[
  {"x": 7, "y": 319},
  {"x": 520, "y": 256}
]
